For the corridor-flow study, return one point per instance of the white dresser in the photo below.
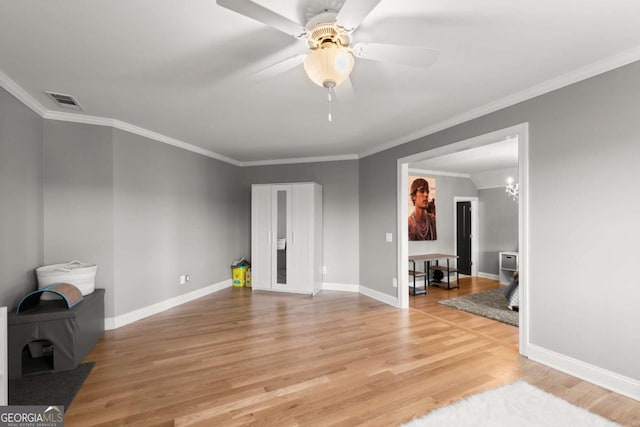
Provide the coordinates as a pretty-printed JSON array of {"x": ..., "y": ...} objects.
[{"x": 508, "y": 265}]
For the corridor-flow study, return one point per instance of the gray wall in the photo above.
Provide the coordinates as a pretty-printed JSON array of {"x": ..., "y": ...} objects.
[
  {"x": 144, "y": 212},
  {"x": 78, "y": 198},
  {"x": 20, "y": 199},
  {"x": 497, "y": 228},
  {"x": 339, "y": 182},
  {"x": 176, "y": 212},
  {"x": 584, "y": 143},
  {"x": 378, "y": 206},
  {"x": 447, "y": 187}
]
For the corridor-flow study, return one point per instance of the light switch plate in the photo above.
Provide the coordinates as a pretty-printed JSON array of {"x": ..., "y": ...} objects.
[{"x": 389, "y": 237}]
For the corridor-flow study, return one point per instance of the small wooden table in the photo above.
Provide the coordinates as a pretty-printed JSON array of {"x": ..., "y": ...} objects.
[{"x": 427, "y": 259}]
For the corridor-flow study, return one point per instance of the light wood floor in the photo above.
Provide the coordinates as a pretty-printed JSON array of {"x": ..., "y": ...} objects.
[{"x": 240, "y": 358}]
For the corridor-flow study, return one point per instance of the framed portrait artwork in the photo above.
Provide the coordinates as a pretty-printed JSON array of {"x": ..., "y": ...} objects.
[{"x": 422, "y": 208}]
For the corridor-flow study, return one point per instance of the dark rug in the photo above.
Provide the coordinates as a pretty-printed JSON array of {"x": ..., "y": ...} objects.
[
  {"x": 55, "y": 388},
  {"x": 491, "y": 304}
]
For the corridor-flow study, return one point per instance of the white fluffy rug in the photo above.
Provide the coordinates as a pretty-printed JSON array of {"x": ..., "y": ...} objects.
[{"x": 518, "y": 404}]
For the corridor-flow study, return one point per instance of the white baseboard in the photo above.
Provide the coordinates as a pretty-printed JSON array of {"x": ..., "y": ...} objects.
[
  {"x": 610, "y": 380},
  {"x": 283, "y": 291},
  {"x": 379, "y": 296},
  {"x": 488, "y": 276},
  {"x": 141, "y": 313},
  {"x": 345, "y": 287}
]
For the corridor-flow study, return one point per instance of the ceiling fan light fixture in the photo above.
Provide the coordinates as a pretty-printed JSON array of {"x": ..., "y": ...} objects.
[{"x": 329, "y": 65}]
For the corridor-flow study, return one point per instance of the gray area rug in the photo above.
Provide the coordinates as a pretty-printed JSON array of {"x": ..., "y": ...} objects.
[
  {"x": 56, "y": 388},
  {"x": 491, "y": 304}
]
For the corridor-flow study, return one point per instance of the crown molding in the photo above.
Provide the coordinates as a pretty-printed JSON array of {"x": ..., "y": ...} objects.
[
  {"x": 490, "y": 187},
  {"x": 172, "y": 141},
  {"x": 127, "y": 127},
  {"x": 137, "y": 130},
  {"x": 438, "y": 173},
  {"x": 15, "y": 90},
  {"x": 78, "y": 118},
  {"x": 575, "y": 76},
  {"x": 301, "y": 160},
  {"x": 22, "y": 96},
  {"x": 616, "y": 61}
]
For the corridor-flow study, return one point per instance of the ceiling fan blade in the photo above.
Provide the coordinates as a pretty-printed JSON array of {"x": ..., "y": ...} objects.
[
  {"x": 353, "y": 13},
  {"x": 415, "y": 56},
  {"x": 279, "y": 67},
  {"x": 266, "y": 16}
]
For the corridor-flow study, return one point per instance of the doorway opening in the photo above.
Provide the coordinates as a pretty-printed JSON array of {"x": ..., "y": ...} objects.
[
  {"x": 465, "y": 221},
  {"x": 518, "y": 132}
]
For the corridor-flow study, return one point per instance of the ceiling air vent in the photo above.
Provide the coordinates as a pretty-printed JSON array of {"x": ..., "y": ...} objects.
[{"x": 65, "y": 101}]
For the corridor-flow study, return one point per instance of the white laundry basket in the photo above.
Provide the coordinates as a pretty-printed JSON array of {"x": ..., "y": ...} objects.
[{"x": 79, "y": 274}]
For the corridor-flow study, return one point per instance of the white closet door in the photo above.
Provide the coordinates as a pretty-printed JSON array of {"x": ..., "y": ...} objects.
[
  {"x": 301, "y": 269},
  {"x": 261, "y": 237}
]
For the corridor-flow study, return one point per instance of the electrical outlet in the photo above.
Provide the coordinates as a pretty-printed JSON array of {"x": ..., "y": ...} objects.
[
  {"x": 389, "y": 237},
  {"x": 183, "y": 280},
  {"x": 324, "y": 269},
  {"x": 394, "y": 283}
]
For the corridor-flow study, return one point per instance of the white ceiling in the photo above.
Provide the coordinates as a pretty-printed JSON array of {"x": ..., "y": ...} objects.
[
  {"x": 490, "y": 157},
  {"x": 488, "y": 166},
  {"x": 178, "y": 68}
]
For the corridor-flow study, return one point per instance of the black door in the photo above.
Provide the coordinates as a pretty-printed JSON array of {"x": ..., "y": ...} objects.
[{"x": 463, "y": 236}]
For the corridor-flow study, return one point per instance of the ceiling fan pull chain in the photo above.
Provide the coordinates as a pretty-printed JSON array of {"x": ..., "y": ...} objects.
[{"x": 329, "y": 99}]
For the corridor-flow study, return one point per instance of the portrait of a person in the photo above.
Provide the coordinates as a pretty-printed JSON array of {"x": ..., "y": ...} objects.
[{"x": 422, "y": 221}]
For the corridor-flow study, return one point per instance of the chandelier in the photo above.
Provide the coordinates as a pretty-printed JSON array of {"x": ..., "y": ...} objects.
[{"x": 512, "y": 189}]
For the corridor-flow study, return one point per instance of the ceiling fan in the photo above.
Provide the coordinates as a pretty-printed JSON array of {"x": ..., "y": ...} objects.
[{"x": 329, "y": 56}]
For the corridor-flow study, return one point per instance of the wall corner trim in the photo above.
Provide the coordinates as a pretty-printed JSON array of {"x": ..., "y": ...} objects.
[
  {"x": 604, "y": 378},
  {"x": 141, "y": 313}
]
